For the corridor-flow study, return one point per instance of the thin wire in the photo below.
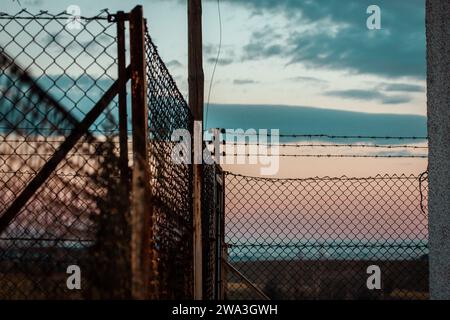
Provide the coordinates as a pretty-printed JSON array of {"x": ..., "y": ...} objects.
[
  {"x": 45, "y": 15},
  {"x": 326, "y": 155},
  {"x": 422, "y": 178},
  {"x": 329, "y": 136},
  {"x": 297, "y": 145},
  {"x": 215, "y": 64}
]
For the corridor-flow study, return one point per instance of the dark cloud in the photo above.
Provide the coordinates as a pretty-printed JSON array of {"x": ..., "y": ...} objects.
[
  {"x": 295, "y": 119},
  {"x": 258, "y": 49},
  {"x": 338, "y": 37},
  {"x": 405, "y": 87},
  {"x": 395, "y": 99},
  {"x": 306, "y": 79},
  {"x": 209, "y": 49},
  {"x": 244, "y": 81},
  {"x": 31, "y": 2},
  {"x": 227, "y": 54},
  {"x": 221, "y": 61},
  {"x": 364, "y": 95},
  {"x": 396, "y": 153},
  {"x": 355, "y": 94},
  {"x": 263, "y": 44},
  {"x": 174, "y": 63}
]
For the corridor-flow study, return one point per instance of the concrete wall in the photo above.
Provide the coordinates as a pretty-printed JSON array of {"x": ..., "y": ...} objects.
[{"x": 438, "y": 96}]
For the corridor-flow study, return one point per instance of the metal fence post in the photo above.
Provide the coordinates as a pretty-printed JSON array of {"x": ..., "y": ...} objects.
[
  {"x": 218, "y": 214},
  {"x": 143, "y": 262},
  {"x": 223, "y": 259},
  {"x": 123, "y": 129},
  {"x": 196, "y": 83}
]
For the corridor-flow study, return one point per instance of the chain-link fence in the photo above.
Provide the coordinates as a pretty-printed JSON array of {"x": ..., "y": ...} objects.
[
  {"x": 315, "y": 238},
  {"x": 212, "y": 230},
  {"x": 52, "y": 75},
  {"x": 65, "y": 187},
  {"x": 171, "y": 184},
  {"x": 64, "y": 160}
]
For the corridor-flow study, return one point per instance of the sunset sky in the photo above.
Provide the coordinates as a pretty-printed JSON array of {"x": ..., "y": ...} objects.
[
  {"x": 292, "y": 52},
  {"x": 278, "y": 57}
]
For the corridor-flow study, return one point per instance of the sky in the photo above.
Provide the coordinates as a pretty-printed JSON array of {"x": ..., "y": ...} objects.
[
  {"x": 291, "y": 52},
  {"x": 297, "y": 65}
]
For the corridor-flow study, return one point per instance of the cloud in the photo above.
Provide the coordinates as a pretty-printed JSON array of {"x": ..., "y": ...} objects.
[
  {"x": 209, "y": 49},
  {"x": 264, "y": 43},
  {"x": 397, "y": 153},
  {"x": 364, "y": 95},
  {"x": 174, "y": 63},
  {"x": 333, "y": 35},
  {"x": 221, "y": 61},
  {"x": 299, "y": 119},
  {"x": 307, "y": 79},
  {"x": 244, "y": 81},
  {"x": 227, "y": 54},
  {"x": 258, "y": 49},
  {"x": 32, "y": 2},
  {"x": 405, "y": 87}
]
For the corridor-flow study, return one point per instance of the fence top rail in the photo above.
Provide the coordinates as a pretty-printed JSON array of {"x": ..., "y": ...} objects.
[
  {"x": 24, "y": 14},
  {"x": 420, "y": 177}
]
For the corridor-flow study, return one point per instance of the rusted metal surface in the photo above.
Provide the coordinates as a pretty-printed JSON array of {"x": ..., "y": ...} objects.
[
  {"x": 123, "y": 119},
  {"x": 143, "y": 255},
  {"x": 196, "y": 90}
]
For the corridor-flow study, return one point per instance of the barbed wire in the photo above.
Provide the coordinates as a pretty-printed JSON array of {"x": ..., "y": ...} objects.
[
  {"x": 325, "y": 155},
  {"x": 324, "y": 145},
  {"x": 329, "y": 136},
  {"x": 24, "y": 14}
]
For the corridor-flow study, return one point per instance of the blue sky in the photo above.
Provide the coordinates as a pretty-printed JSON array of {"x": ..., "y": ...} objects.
[{"x": 292, "y": 52}]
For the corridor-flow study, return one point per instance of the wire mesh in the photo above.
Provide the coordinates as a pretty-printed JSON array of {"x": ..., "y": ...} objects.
[
  {"x": 292, "y": 238},
  {"x": 171, "y": 184},
  {"x": 315, "y": 238},
  {"x": 51, "y": 76},
  {"x": 211, "y": 205}
]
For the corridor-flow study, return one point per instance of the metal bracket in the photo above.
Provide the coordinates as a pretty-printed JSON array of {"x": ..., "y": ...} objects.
[{"x": 120, "y": 15}]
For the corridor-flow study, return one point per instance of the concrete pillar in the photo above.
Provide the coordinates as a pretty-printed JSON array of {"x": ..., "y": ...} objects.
[{"x": 438, "y": 96}]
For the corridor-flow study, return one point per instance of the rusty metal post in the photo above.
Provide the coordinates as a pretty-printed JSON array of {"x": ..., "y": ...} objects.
[
  {"x": 223, "y": 246},
  {"x": 143, "y": 257},
  {"x": 218, "y": 211},
  {"x": 196, "y": 91},
  {"x": 123, "y": 126}
]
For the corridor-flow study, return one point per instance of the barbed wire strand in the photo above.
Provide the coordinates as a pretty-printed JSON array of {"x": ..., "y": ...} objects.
[
  {"x": 325, "y": 155},
  {"x": 403, "y": 146},
  {"x": 330, "y": 136}
]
